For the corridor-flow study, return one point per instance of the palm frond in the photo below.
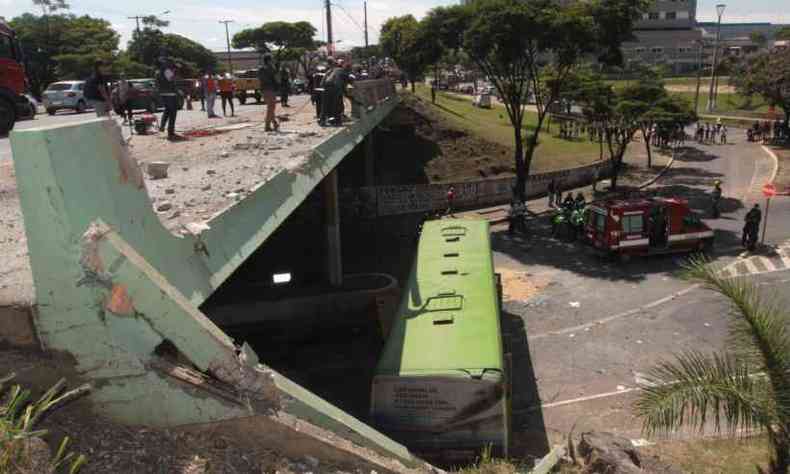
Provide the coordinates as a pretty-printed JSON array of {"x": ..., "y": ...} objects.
[
  {"x": 758, "y": 330},
  {"x": 697, "y": 390}
]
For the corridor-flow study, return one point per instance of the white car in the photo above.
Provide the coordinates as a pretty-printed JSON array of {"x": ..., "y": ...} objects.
[{"x": 65, "y": 95}]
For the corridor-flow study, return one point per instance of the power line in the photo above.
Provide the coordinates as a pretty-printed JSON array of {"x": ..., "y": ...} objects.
[{"x": 349, "y": 17}]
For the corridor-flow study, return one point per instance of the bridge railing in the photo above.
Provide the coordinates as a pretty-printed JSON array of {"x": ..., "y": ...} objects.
[{"x": 368, "y": 94}]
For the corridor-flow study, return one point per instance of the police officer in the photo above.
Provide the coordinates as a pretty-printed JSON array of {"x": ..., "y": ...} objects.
[
  {"x": 316, "y": 92},
  {"x": 165, "y": 80},
  {"x": 751, "y": 227},
  {"x": 716, "y": 199}
]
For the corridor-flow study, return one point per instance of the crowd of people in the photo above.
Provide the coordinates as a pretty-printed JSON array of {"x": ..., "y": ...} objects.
[
  {"x": 711, "y": 134},
  {"x": 767, "y": 132},
  {"x": 660, "y": 136}
]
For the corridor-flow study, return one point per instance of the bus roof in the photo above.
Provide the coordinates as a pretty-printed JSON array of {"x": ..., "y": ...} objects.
[{"x": 448, "y": 319}]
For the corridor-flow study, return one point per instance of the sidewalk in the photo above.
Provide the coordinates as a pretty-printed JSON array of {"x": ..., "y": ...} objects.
[{"x": 538, "y": 206}]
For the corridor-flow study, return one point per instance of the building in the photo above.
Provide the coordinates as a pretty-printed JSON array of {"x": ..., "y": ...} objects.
[{"x": 666, "y": 35}]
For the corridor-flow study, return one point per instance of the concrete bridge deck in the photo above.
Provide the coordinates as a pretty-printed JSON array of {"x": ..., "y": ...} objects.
[{"x": 119, "y": 292}]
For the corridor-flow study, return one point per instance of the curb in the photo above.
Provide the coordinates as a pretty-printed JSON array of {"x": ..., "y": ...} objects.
[{"x": 776, "y": 162}]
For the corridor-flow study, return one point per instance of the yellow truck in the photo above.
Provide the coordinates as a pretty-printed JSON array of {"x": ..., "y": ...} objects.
[{"x": 247, "y": 85}]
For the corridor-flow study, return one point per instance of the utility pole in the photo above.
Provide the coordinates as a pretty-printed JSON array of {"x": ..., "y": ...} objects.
[
  {"x": 227, "y": 39},
  {"x": 136, "y": 19},
  {"x": 330, "y": 48},
  {"x": 711, "y": 96},
  {"x": 699, "y": 76},
  {"x": 366, "y": 25}
]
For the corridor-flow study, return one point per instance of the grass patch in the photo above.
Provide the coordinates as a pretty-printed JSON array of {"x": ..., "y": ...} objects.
[
  {"x": 493, "y": 125},
  {"x": 714, "y": 456},
  {"x": 727, "y": 103}
]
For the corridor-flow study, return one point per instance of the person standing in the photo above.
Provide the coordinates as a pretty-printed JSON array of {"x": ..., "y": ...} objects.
[
  {"x": 751, "y": 227},
  {"x": 316, "y": 92},
  {"x": 285, "y": 86},
  {"x": 226, "y": 93},
  {"x": 450, "y": 199},
  {"x": 551, "y": 189},
  {"x": 96, "y": 91},
  {"x": 330, "y": 102},
  {"x": 124, "y": 101},
  {"x": 269, "y": 85},
  {"x": 165, "y": 81},
  {"x": 211, "y": 94},
  {"x": 717, "y": 199}
]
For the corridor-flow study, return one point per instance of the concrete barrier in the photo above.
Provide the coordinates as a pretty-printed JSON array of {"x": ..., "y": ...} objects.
[{"x": 377, "y": 201}]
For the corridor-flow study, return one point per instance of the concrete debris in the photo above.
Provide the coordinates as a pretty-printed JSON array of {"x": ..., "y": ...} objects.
[
  {"x": 606, "y": 452},
  {"x": 175, "y": 215},
  {"x": 164, "y": 206},
  {"x": 311, "y": 461},
  {"x": 206, "y": 187},
  {"x": 232, "y": 195},
  {"x": 224, "y": 154},
  {"x": 195, "y": 228},
  {"x": 157, "y": 169},
  {"x": 170, "y": 191},
  {"x": 211, "y": 172},
  {"x": 574, "y": 304}
]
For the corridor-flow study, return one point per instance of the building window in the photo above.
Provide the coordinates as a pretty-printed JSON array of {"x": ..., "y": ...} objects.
[
  {"x": 657, "y": 50},
  {"x": 683, "y": 15},
  {"x": 671, "y": 16},
  {"x": 639, "y": 50},
  {"x": 653, "y": 16}
]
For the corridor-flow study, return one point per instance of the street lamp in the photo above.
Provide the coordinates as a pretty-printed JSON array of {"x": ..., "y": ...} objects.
[{"x": 713, "y": 73}]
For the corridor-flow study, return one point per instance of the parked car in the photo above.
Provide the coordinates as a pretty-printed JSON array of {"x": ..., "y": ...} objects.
[
  {"x": 65, "y": 95},
  {"x": 144, "y": 95}
]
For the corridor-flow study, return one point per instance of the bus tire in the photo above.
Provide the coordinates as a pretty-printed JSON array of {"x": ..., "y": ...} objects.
[{"x": 7, "y": 116}]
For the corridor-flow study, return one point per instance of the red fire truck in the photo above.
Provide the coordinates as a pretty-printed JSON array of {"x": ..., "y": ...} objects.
[
  {"x": 13, "y": 104},
  {"x": 646, "y": 226}
]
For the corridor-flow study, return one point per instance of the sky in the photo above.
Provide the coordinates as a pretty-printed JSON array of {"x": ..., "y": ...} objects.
[{"x": 199, "y": 19}]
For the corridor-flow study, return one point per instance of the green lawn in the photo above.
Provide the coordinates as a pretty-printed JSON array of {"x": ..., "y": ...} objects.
[
  {"x": 493, "y": 125},
  {"x": 727, "y": 103}
]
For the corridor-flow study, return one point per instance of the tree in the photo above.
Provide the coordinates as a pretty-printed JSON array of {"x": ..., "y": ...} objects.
[
  {"x": 783, "y": 33},
  {"x": 285, "y": 41},
  {"x": 49, "y": 7},
  {"x": 403, "y": 40},
  {"x": 745, "y": 387},
  {"x": 361, "y": 54},
  {"x": 766, "y": 74},
  {"x": 530, "y": 49},
  {"x": 150, "y": 43},
  {"x": 63, "y": 46},
  {"x": 758, "y": 38}
]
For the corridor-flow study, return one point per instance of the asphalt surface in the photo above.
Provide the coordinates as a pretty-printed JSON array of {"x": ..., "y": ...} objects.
[{"x": 595, "y": 325}]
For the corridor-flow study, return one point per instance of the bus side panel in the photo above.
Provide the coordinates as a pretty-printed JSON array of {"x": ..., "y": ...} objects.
[{"x": 434, "y": 414}]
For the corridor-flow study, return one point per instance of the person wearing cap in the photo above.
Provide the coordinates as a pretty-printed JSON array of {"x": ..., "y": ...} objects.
[
  {"x": 314, "y": 87},
  {"x": 267, "y": 75},
  {"x": 96, "y": 91},
  {"x": 165, "y": 81},
  {"x": 226, "y": 93}
]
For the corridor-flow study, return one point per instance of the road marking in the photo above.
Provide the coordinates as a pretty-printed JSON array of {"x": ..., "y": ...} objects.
[{"x": 589, "y": 397}]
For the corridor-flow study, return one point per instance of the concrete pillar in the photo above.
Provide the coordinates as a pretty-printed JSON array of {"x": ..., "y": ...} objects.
[
  {"x": 332, "y": 219},
  {"x": 370, "y": 159}
]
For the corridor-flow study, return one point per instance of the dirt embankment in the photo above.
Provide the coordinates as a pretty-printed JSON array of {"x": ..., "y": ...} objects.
[{"x": 416, "y": 145}]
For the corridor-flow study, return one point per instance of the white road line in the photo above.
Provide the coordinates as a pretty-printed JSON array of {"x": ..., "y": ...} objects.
[
  {"x": 776, "y": 162},
  {"x": 590, "y": 397}
]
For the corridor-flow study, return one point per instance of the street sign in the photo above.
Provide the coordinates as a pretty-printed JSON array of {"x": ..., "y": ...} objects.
[{"x": 769, "y": 190}]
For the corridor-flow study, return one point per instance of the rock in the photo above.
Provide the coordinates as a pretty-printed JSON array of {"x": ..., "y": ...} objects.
[
  {"x": 211, "y": 172},
  {"x": 206, "y": 187},
  {"x": 609, "y": 453},
  {"x": 232, "y": 195},
  {"x": 164, "y": 206},
  {"x": 175, "y": 215},
  {"x": 157, "y": 169},
  {"x": 184, "y": 168},
  {"x": 224, "y": 154},
  {"x": 170, "y": 191},
  {"x": 311, "y": 461}
]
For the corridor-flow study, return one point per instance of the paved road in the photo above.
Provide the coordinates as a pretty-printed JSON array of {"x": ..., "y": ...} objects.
[{"x": 597, "y": 325}]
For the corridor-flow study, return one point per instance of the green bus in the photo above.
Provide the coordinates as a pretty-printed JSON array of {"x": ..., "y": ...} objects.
[{"x": 441, "y": 386}]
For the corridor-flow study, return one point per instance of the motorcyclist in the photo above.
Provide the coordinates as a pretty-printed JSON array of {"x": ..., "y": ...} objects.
[
  {"x": 516, "y": 216},
  {"x": 716, "y": 210},
  {"x": 751, "y": 227}
]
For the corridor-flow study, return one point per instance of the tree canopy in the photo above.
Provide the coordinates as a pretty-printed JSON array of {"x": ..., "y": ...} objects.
[
  {"x": 285, "y": 41},
  {"x": 783, "y": 33},
  {"x": 766, "y": 74},
  {"x": 410, "y": 44},
  {"x": 530, "y": 49},
  {"x": 63, "y": 46},
  {"x": 148, "y": 44}
]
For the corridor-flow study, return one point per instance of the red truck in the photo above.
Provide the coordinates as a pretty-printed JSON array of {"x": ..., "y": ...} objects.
[{"x": 13, "y": 103}]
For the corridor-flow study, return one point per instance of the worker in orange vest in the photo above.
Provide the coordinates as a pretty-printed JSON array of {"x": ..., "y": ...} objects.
[
  {"x": 211, "y": 94},
  {"x": 226, "y": 89}
]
